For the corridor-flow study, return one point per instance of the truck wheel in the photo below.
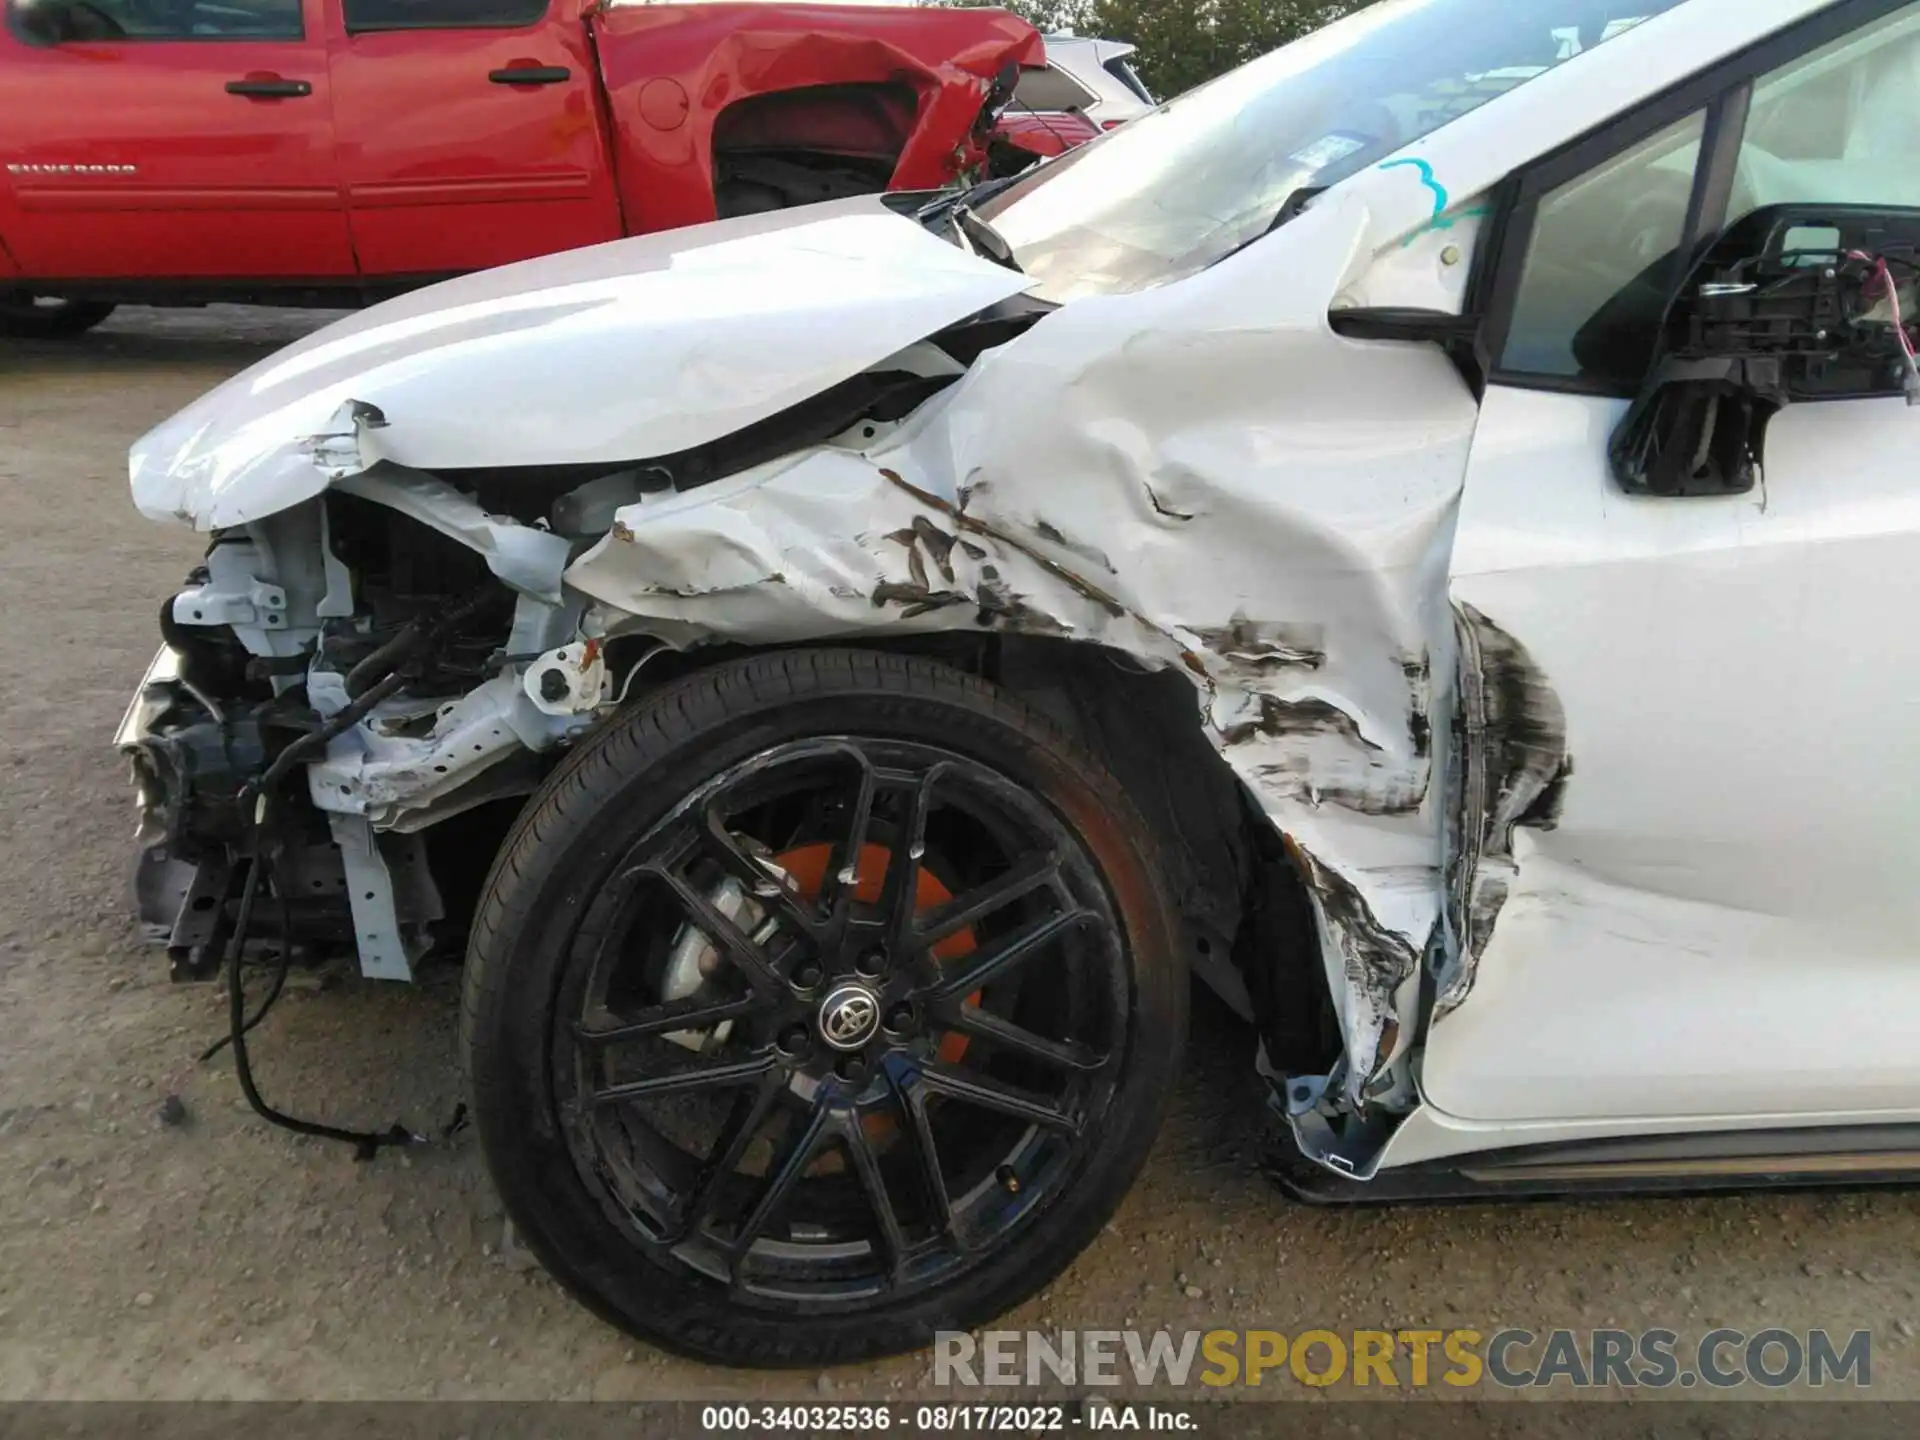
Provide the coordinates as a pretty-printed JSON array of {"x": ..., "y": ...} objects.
[
  {"x": 824, "y": 1000},
  {"x": 42, "y": 317}
]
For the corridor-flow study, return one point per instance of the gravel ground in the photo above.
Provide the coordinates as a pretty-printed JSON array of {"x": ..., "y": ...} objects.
[{"x": 225, "y": 1258}]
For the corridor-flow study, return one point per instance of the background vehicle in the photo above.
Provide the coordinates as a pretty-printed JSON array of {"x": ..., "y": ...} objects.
[
  {"x": 1025, "y": 136},
  {"x": 1088, "y": 76},
  {"x": 1333, "y": 534},
  {"x": 1086, "y": 87},
  {"x": 335, "y": 151}
]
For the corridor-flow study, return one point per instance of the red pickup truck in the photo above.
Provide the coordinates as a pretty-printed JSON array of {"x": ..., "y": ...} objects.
[{"x": 331, "y": 152}]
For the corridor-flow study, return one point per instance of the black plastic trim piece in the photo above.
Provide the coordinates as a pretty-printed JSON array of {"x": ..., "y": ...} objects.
[
  {"x": 354, "y": 26},
  {"x": 1716, "y": 171},
  {"x": 1398, "y": 323},
  {"x": 530, "y": 75},
  {"x": 270, "y": 89}
]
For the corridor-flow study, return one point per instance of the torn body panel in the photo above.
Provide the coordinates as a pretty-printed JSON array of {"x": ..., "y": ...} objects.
[
  {"x": 1284, "y": 547},
  {"x": 648, "y": 346},
  {"x": 1684, "y": 918},
  {"x": 1200, "y": 477},
  {"x": 697, "y": 93},
  {"x": 524, "y": 558},
  {"x": 834, "y": 426},
  {"x": 1514, "y": 770}
]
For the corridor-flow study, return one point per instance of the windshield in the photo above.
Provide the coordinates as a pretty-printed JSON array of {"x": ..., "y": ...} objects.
[{"x": 1171, "y": 192}]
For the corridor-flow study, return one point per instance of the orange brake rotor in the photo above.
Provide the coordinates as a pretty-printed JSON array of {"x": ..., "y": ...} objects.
[{"x": 807, "y": 865}]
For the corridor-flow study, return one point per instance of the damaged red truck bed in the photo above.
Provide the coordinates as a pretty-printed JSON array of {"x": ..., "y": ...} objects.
[{"x": 332, "y": 151}]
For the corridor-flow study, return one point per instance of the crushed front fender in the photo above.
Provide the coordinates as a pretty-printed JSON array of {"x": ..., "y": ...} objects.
[{"x": 1228, "y": 489}]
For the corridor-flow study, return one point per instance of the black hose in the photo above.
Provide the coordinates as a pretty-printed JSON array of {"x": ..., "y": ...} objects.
[
  {"x": 256, "y": 796},
  {"x": 273, "y": 991},
  {"x": 383, "y": 660},
  {"x": 417, "y": 634},
  {"x": 349, "y": 717},
  {"x": 366, "y": 1143}
]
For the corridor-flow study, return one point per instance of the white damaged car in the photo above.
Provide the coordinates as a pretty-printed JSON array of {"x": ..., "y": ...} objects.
[{"x": 1418, "y": 532}]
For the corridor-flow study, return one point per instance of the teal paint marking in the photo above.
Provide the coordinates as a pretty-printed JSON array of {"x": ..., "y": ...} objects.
[
  {"x": 1441, "y": 220},
  {"x": 1426, "y": 179},
  {"x": 1447, "y": 222}
]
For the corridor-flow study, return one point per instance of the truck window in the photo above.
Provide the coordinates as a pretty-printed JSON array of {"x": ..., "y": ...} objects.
[
  {"x": 53, "y": 22},
  {"x": 365, "y": 15}
]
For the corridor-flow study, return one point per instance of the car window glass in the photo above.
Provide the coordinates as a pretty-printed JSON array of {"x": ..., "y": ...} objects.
[
  {"x": 65, "y": 21},
  {"x": 363, "y": 15},
  {"x": 1050, "y": 89},
  {"x": 1176, "y": 189},
  {"x": 1840, "y": 126},
  {"x": 1615, "y": 230},
  {"x": 1129, "y": 77}
]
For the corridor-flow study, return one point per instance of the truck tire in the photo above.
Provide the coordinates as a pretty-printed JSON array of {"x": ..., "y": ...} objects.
[
  {"x": 29, "y": 317},
  {"x": 901, "y": 1071}
]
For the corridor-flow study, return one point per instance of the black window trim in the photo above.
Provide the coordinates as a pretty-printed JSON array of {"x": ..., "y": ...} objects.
[
  {"x": 1120, "y": 69},
  {"x": 1725, "y": 92},
  {"x": 544, "y": 14}
]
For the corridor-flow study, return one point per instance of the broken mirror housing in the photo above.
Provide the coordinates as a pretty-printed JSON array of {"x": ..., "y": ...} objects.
[{"x": 1790, "y": 304}]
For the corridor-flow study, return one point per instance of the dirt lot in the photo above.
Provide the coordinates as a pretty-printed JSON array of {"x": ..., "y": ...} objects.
[{"x": 226, "y": 1258}]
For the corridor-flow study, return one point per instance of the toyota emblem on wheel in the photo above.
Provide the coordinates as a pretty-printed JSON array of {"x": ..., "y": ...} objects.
[{"x": 848, "y": 1017}]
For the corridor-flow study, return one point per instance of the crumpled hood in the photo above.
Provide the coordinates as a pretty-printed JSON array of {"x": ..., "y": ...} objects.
[{"x": 624, "y": 351}]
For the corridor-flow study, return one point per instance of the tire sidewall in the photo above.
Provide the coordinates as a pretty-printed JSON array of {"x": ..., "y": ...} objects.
[
  {"x": 581, "y": 829},
  {"x": 21, "y": 319}
]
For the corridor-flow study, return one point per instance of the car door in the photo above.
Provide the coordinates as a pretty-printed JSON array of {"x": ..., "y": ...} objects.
[
  {"x": 164, "y": 139},
  {"x": 469, "y": 133},
  {"x": 1693, "y": 900}
]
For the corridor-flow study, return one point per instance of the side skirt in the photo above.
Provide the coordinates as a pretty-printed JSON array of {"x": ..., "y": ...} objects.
[{"x": 1843, "y": 1157}]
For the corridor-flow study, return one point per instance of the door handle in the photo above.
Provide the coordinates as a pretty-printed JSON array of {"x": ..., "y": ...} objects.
[
  {"x": 270, "y": 89},
  {"x": 530, "y": 75}
]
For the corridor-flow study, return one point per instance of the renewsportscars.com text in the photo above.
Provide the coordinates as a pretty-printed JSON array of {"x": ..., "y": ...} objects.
[{"x": 1396, "y": 1359}]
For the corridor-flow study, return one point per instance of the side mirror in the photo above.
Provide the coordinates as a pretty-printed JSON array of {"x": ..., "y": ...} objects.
[
  {"x": 1698, "y": 429},
  {"x": 1793, "y": 303}
]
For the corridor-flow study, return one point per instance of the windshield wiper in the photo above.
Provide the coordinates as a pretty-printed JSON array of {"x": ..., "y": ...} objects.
[
  {"x": 982, "y": 238},
  {"x": 1288, "y": 211},
  {"x": 938, "y": 207},
  {"x": 954, "y": 212}
]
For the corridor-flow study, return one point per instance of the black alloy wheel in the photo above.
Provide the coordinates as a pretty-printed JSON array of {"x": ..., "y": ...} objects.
[{"x": 845, "y": 1015}]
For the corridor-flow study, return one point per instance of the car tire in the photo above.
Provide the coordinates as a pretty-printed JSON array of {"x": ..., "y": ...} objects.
[
  {"x": 25, "y": 317},
  {"x": 927, "y": 751}
]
